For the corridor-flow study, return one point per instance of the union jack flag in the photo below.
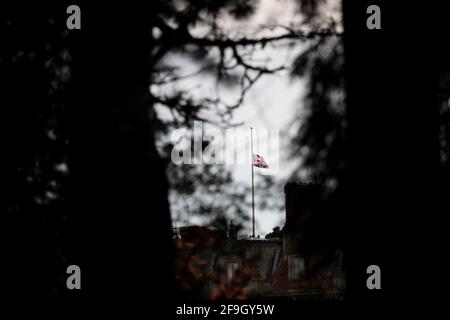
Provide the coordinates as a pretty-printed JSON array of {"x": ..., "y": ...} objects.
[{"x": 259, "y": 162}]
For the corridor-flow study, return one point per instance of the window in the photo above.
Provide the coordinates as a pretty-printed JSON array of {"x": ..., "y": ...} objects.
[
  {"x": 231, "y": 269},
  {"x": 296, "y": 267}
]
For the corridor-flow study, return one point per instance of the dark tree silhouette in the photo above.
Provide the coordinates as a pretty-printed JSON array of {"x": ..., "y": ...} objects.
[
  {"x": 37, "y": 221},
  {"x": 275, "y": 233},
  {"x": 84, "y": 181},
  {"x": 382, "y": 147},
  {"x": 394, "y": 159}
]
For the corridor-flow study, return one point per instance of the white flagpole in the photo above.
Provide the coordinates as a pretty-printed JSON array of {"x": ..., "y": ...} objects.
[{"x": 253, "y": 183}]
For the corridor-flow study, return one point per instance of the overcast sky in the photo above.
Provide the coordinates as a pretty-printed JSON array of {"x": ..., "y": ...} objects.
[{"x": 272, "y": 103}]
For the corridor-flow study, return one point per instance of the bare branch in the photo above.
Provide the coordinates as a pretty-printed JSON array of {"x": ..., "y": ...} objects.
[
  {"x": 187, "y": 107},
  {"x": 244, "y": 41}
]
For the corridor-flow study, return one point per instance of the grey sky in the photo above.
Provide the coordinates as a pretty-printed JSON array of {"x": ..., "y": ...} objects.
[{"x": 272, "y": 103}]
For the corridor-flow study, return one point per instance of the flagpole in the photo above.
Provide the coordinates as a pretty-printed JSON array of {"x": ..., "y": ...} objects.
[{"x": 253, "y": 183}]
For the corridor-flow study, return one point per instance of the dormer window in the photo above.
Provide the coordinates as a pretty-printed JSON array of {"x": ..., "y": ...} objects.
[
  {"x": 296, "y": 267},
  {"x": 231, "y": 269}
]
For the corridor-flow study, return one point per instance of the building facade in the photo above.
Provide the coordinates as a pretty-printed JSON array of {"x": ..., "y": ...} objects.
[{"x": 214, "y": 264}]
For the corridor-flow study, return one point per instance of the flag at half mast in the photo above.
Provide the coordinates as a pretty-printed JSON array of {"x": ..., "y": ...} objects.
[{"x": 259, "y": 162}]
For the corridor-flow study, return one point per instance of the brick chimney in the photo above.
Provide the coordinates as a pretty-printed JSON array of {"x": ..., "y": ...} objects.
[{"x": 302, "y": 199}]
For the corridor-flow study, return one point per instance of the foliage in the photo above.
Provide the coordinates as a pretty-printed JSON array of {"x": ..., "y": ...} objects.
[{"x": 275, "y": 233}]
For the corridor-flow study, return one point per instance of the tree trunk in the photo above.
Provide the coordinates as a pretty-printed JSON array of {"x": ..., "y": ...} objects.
[
  {"x": 120, "y": 183},
  {"x": 393, "y": 216}
]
